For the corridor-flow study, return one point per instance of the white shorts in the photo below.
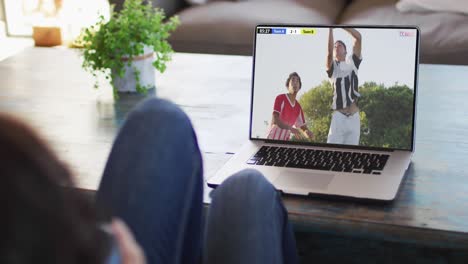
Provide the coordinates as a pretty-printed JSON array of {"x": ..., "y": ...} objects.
[{"x": 344, "y": 129}]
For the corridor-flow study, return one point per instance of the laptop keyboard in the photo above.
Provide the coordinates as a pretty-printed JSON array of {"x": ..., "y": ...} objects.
[{"x": 341, "y": 161}]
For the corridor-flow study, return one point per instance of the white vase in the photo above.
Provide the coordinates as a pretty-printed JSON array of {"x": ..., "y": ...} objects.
[{"x": 144, "y": 64}]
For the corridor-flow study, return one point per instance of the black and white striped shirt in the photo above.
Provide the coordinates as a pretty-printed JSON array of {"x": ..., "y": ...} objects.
[{"x": 344, "y": 79}]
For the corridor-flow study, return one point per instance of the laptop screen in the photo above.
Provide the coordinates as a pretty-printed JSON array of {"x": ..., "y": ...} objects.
[{"x": 342, "y": 86}]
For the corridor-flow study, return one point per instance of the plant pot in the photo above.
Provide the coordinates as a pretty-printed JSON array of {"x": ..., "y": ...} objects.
[
  {"x": 144, "y": 64},
  {"x": 47, "y": 36}
]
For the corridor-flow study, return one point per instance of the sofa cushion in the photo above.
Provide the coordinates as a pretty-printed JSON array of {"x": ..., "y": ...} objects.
[
  {"x": 200, "y": 2},
  {"x": 456, "y": 6},
  {"x": 444, "y": 36},
  {"x": 228, "y": 27}
]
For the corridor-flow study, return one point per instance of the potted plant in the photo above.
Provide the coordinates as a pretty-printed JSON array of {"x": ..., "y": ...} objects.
[{"x": 129, "y": 47}]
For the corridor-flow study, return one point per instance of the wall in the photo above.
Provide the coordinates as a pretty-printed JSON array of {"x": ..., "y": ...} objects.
[
  {"x": 2, "y": 15},
  {"x": 2, "y": 20}
]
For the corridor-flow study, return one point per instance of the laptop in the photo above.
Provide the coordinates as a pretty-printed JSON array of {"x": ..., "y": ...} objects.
[{"x": 333, "y": 110}]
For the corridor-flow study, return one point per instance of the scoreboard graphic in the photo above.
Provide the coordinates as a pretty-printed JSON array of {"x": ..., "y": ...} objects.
[{"x": 286, "y": 31}]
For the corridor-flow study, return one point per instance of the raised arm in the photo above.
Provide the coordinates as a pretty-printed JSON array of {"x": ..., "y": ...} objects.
[
  {"x": 330, "y": 50},
  {"x": 357, "y": 41}
]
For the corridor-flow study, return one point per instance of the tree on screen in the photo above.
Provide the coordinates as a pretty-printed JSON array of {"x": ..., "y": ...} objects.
[
  {"x": 316, "y": 106},
  {"x": 386, "y": 119},
  {"x": 389, "y": 114}
]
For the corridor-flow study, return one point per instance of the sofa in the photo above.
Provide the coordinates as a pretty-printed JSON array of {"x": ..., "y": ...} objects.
[{"x": 226, "y": 27}]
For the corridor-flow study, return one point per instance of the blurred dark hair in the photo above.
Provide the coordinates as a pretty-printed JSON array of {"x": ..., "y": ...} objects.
[
  {"x": 342, "y": 43},
  {"x": 292, "y": 75},
  {"x": 44, "y": 220}
]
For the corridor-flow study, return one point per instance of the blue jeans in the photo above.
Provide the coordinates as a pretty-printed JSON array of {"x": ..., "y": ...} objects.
[{"x": 153, "y": 180}]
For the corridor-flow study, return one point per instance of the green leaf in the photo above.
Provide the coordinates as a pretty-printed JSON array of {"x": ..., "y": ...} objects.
[{"x": 126, "y": 34}]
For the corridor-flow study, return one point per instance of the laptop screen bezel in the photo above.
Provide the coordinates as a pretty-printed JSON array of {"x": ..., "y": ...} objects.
[{"x": 328, "y": 144}]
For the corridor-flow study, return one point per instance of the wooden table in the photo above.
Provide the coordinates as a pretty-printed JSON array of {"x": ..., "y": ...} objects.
[{"x": 47, "y": 87}]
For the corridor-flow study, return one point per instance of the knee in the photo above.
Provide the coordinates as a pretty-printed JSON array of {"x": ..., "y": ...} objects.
[
  {"x": 248, "y": 185},
  {"x": 160, "y": 110},
  {"x": 246, "y": 178},
  {"x": 154, "y": 105}
]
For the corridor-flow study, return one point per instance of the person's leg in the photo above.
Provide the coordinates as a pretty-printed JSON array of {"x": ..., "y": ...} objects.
[
  {"x": 247, "y": 223},
  {"x": 153, "y": 181},
  {"x": 335, "y": 134},
  {"x": 354, "y": 129}
]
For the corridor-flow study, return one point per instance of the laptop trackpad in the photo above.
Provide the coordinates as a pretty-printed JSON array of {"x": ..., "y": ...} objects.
[{"x": 302, "y": 182}]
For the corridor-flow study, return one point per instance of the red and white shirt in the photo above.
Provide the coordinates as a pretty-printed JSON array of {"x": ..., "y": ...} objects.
[{"x": 290, "y": 113}]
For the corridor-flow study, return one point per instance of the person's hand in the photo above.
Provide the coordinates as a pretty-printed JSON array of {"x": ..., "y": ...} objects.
[
  {"x": 297, "y": 133},
  {"x": 130, "y": 251},
  {"x": 310, "y": 134}
]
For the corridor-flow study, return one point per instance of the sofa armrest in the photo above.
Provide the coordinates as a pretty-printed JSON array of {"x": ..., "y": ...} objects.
[{"x": 170, "y": 7}]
